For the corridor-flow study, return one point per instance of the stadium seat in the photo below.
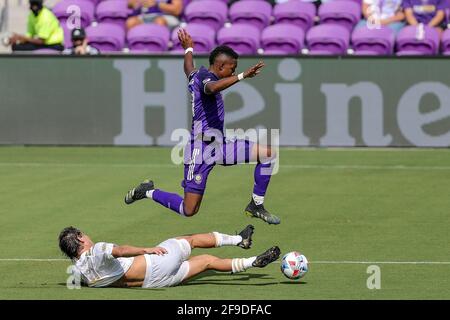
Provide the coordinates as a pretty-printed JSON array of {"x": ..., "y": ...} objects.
[
  {"x": 446, "y": 42},
  {"x": 112, "y": 11},
  {"x": 328, "y": 39},
  {"x": 210, "y": 12},
  {"x": 282, "y": 38},
  {"x": 106, "y": 37},
  {"x": 253, "y": 12},
  {"x": 148, "y": 38},
  {"x": 412, "y": 40},
  {"x": 298, "y": 13},
  {"x": 67, "y": 36},
  {"x": 95, "y": 2},
  {"x": 355, "y": 1},
  {"x": 243, "y": 38},
  {"x": 373, "y": 41},
  {"x": 204, "y": 38},
  {"x": 86, "y": 12},
  {"x": 344, "y": 13}
]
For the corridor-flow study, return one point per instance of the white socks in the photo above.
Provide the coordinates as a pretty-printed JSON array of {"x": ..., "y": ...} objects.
[
  {"x": 149, "y": 194},
  {"x": 226, "y": 240},
  {"x": 258, "y": 199},
  {"x": 241, "y": 264}
]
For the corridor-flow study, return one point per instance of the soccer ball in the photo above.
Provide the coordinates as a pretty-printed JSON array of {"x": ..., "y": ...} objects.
[{"x": 294, "y": 265}]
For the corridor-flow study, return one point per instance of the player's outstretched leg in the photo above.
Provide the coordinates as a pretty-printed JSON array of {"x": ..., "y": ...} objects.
[
  {"x": 262, "y": 175},
  {"x": 147, "y": 189},
  {"x": 205, "y": 262},
  {"x": 217, "y": 239}
]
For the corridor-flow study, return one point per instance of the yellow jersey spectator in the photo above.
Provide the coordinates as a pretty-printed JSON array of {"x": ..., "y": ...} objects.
[{"x": 43, "y": 31}]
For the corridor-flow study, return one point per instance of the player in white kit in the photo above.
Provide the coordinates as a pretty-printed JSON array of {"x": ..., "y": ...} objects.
[{"x": 105, "y": 264}]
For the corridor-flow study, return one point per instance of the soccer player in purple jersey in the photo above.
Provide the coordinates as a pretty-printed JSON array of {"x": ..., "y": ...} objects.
[{"x": 208, "y": 146}]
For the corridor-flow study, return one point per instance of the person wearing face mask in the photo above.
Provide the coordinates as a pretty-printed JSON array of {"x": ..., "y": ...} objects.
[
  {"x": 80, "y": 44},
  {"x": 43, "y": 32}
]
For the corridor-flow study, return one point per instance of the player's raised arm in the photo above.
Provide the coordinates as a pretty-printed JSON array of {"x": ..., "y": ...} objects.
[
  {"x": 188, "y": 45},
  {"x": 219, "y": 85}
]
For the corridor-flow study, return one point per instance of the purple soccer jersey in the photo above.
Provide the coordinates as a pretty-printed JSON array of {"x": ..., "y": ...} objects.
[
  {"x": 425, "y": 10},
  {"x": 207, "y": 109}
]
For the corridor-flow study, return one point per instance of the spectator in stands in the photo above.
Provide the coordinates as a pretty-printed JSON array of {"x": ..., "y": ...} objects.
[
  {"x": 383, "y": 13},
  {"x": 427, "y": 12},
  {"x": 80, "y": 44},
  {"x": 163, "y": 12},
  {"x": 43, "y": 30}
]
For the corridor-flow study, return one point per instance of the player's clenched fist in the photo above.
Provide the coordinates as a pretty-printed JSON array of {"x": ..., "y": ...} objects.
[{"x": 253, "y": 71}]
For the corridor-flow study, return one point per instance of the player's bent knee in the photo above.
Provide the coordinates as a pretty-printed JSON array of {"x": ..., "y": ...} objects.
[
  {"x": 208, "y": 260},
  {"x": 190, "y": 211}
]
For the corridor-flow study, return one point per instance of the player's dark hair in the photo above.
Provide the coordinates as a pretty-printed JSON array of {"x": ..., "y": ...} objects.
[
  {"x": 222, "y": 50},
  {"x": 69, "y": 242}
]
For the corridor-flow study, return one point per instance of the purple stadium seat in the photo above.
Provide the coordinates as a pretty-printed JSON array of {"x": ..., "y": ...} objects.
[
  {"x": 67, "y": 8},
  {"x": 328, "y": 39},
  {"x": 210, "y": 12},
  {"x": 355, "y": 1},
  {"x": 148, "y": 38},
  {"x": 254, "y": 12},
  {"x": 67, "y": 36},
  {"x": 112, "y": 11},
  {"x": 243, "y": 38},
  {"x": 295, "y": 12},
  {"x": 411, "y": 41},
  {"x": 106, "y": 37},
  {"x": 204, "y": 38},
  {"x": 344, "y": 13},
  {"x": 373, "y": 41},
  {"x": 446, "y": 42},
  {"x": 283, "y": 37}
]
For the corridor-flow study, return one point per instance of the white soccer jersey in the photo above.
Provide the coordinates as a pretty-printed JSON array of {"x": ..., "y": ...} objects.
[{"x": 98, "y": 267}]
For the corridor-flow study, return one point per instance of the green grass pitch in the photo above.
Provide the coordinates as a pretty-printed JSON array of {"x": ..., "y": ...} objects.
[{"x": 359, "y": 206}]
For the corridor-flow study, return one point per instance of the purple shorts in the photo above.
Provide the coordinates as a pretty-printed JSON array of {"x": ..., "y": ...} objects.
[{"x": 201, "y": 157}]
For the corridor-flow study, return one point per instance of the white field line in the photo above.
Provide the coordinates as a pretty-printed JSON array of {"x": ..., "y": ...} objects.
[
  {"x": 168, "y": 165},
  {"x": 312, "y": 262}
]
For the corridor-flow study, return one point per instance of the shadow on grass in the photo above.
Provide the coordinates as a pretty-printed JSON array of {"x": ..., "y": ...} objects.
[
  {"x": 222, "y": 278},
  {"x": 293, "y": 282},
  {"x": 63, "y": 284},
  {"x": 229, "y": 279}
]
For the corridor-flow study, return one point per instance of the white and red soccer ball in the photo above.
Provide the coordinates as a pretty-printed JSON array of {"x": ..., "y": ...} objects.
[{"x": 294, "y": 265}]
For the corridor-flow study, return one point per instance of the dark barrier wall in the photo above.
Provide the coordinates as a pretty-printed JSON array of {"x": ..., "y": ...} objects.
[{"x": 142, "y": 100}]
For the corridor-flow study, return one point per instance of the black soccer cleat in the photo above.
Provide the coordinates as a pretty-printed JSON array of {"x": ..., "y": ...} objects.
[
  {"x": 258, "y": 211},
  {"x": 139, "y": 192},
  {"x": 246, "y": 235},
  {"x": 267, "y": 257}
]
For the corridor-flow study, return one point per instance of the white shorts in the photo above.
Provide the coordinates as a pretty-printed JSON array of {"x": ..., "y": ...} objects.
[{"x": 169, "y": 269}]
